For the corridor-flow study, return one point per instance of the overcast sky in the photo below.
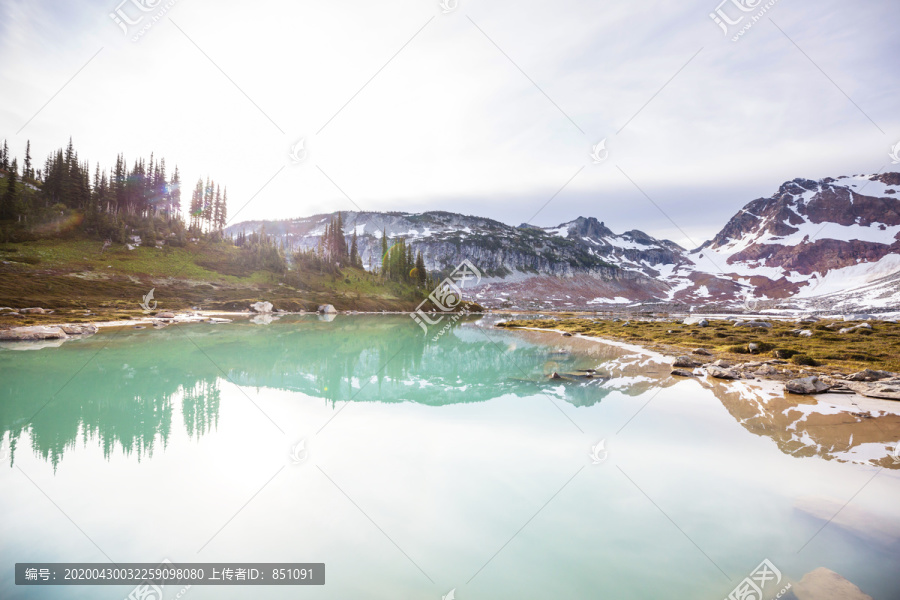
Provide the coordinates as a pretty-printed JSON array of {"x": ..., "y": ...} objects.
[{"x": 491, "y": 108}]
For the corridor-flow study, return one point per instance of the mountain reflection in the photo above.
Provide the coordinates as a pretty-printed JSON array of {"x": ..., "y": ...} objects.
[{"x": 121, "y": 388}]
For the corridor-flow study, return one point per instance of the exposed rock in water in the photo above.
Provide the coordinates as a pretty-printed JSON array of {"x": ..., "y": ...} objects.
[
  {"x": 38, "y": 332},
  {"x": 327, "y": 309},
  {"x": 567, "y": 334},
  {"x": 722, "y": 363},
  {"x": 682, "y": 373},
  {"x": 722, "y": 373},
  {"x": 261, "y": 307},
  {"x": 807, "y": 385},
  {"x": 555, "y": 375},
  {"x": 884, "y": 390}
]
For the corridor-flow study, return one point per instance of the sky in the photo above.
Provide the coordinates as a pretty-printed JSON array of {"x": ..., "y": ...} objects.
[{"x": 485, "y": 108}]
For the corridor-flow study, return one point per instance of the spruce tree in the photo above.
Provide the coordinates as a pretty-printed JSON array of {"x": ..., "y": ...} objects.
[
  {"x": 421, "y": 275},
  {"x": 26, "y": 169},
  {"x": 10, "y": 199},
  {"x": 354, "y": 251}
]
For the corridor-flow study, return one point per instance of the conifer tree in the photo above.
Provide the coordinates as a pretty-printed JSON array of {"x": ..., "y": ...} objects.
[{"x": 354, "y": 251}]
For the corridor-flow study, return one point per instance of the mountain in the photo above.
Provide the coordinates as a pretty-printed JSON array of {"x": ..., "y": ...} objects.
[
  {"x": 824, "y": 244},
  {"x": 830, "y": 242}
]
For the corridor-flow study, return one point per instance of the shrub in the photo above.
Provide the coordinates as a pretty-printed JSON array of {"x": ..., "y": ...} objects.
[{"x": 804, "y": 360}]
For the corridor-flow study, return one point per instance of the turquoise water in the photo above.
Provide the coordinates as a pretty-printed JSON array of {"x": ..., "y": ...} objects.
[{"x": 426, "y": 466}]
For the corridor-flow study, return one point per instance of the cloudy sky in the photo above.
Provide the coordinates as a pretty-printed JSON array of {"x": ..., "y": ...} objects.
[{"x": 489, "y": 108}]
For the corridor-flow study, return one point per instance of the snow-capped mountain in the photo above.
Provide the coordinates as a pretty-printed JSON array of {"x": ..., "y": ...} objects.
[
  {"x": 812, "y": 239},
  {"x": 830, "y": 244}
]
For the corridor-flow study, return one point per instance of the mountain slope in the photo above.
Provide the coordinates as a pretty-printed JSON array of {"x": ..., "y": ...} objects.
[{"x": 828, "y": 243}]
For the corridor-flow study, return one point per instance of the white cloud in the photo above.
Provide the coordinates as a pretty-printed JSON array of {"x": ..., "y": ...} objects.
[{"x": 451, "y": 123}]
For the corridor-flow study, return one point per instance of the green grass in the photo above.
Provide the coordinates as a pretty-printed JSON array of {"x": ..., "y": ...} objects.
[
  {"x": 826, "y": 350},
  {"x": 74, "y": 274}
]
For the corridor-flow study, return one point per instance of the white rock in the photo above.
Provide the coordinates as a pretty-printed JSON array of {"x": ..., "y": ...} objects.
[{"x": 261, "y": 307}]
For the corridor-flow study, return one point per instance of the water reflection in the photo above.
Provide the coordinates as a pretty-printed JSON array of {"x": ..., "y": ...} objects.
[{"x": 125, "y": 386}]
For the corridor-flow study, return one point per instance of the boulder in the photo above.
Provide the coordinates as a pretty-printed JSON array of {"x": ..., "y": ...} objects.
[
  {"x": 752, "y": 347},
  {"x": 27, "y": 334},
  {"x": 805, "y": 333},
  {"x": 722, "y": 363},
  {"x": 765, "y": 371},
  {"x": 32, "y": 311},
  {"x": 762, "y": 324},
  {"x": 165, "y": 315},
  {"x": 555, "y": 375},
  {"x": 870, "y": 375},
  {"x": 722, "y": 373},
  {"x": 261, "y": 307},
  {"x": 682, "y": 373},
  {"x": 685, "y": 362},
  {"x": 327, "y": 309},
  {"x": 566, "y": 334},
  {"x": 807, "y": 385},
  {"x": 701, "y": 352}
]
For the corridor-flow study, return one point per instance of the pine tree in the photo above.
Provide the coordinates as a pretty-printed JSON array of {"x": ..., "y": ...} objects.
[
  {"x": 223, "y": 210},
  {"x": 10, "y": 200},
  {"x": 174, "y": 193},
  {"x": 26, "y": 170},
  {"x": 4, "y": 157},
  {"x": 384, "y": 254},
  {"x": 196, "y": 205},
  {"x": 354, "y": 251},
  {"x": 216, "y": 207},
  {"x": 421, "y": 275}
]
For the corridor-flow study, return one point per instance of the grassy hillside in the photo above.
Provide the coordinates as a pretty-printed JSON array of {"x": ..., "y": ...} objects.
[{"x": 77, "y": 274}]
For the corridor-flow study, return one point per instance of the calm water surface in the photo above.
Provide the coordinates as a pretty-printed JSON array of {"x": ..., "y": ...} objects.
[{"x": 430, "y": 465}]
